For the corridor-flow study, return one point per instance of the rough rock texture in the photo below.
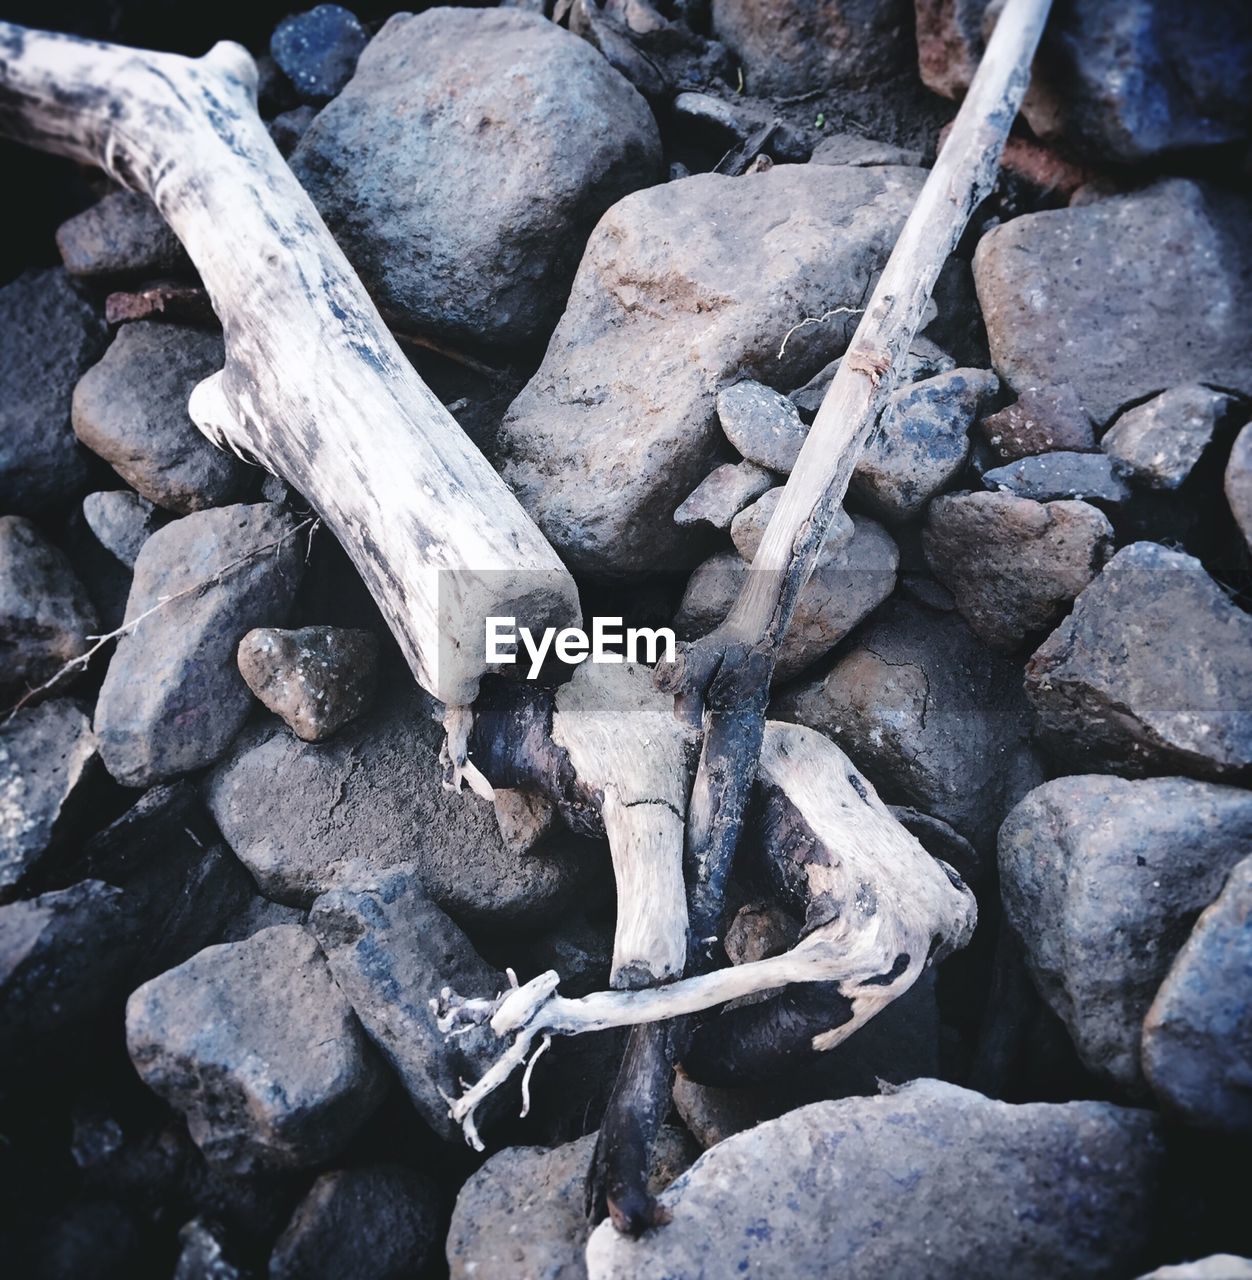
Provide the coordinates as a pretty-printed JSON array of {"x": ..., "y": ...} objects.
[
  {"x": 173, "y": 697},
  {"x": 122, "y": 522},
  {"x": 748, "y": 528},
  {"x": 318, "y": 50},
  {"x": 845, "y": 588},
  {"x": 307, "y": 818},
  {"x": 933, "y": 718},
  {"x": 131, "y": 409},
  {"x": 317, "y": 678},
  {"x": 47, "y": 754},
  {"x": 1238, "y": 482},
  {"x": 373, "y": 1223},
  {"x": 764, "y": 426},
  {"x": 1053, "y": 476},
  {"x": 1062, "y": 295},
  {"x": 723, "y": 494},
  {"x": 490, "y": 139},
  {"x": 45, "y": 613},
  {"x": 931, "y": 1180},
  {"x": 949, "y": 43},
  {"x": 1102, "y": 879},
  {"x": 1218, "y": 1266},
  {"x": 120, "y": 236},
  {"x": 1197, "y": 1036},
  {"x": 921, "y": 442},
  {"x": 1014, "y": 566},
  {"x": 1148, "y": 674},
  {"x": 255, "y": 1044},
  {"x": 1158, "y": 442},
  {"x": 50, "y": 337},
  {"x": 1040, "y": 420},
  {"x": 684, "y": 288}
]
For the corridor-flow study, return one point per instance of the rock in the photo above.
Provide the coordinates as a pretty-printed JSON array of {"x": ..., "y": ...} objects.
[
  {"x": 849, "y": 586},
  {"x": 930, "y": 1180},
  {"x": 288, "y": 128},
  {"x": 758, "y": 931},
  {"x": 932, "y": 717},
  {"x": 1013, "y": 565},
  {"x": 392, "y": 951},
  {"x": 318, "y": 50},
  {"x": 373, "y": 1223},
  {"x": 202, "y": 1255},
  {"x": 921, "y": 442},
  {"x": 50, "y": 336},
  {"x": 122, "y": 522},
  {"x": 1053, "y": 476},
  {"x": 492, "y": 139},
  {"x": 45, "y": 613},
  {"x": 307, "y": 818},
  {"x": 1062, "y": 294},
  {"x": 764, "y": 426},
  {"x": 712, "y": 1115},
  {"x": 674, "y": 300},
  {"x": 47, "y": 760},
  {"x": 1218, "y": 1266},
  {"x": 1197, "y": 1036},
  {"x": 1238, "y": 482},
  {"x": 800, "y": 45},
  {"x": 719, "y": 498},
  {"x": 1040, "y": 420},
  {"x": 173, "y": 697},
  {"x": 748, "y": 528},
  {"x": 855, "y": 149},
  {"x": 254, "y": 1043},
  {"x": 1158, "y": 442},
  {"x": 922, "y": 360},
  {"x": 1148, "y": 673},
  {"x": 131, "y": 409},
  {"x": 1102, "y": 879},
  {"x": 316, "y": 679},
  {"x": 949, "y": 43},
  {"x": 121, "y": 236}
]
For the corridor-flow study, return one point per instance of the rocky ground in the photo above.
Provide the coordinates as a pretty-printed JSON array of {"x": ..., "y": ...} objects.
[{"x": 626, "y": 244}]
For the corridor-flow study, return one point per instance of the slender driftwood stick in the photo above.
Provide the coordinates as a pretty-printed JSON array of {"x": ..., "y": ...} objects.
[{"x": 314, "y": 386}]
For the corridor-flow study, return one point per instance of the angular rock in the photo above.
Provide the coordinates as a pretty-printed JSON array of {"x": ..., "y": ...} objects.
[
  {"x": 122, "y": 522},
  {"x": 1063, "y": 291},
  {"x": 173, "y": 697},
  {"x": 373, "y": 1223},
  {"x": 254, "y": 1043},
  {"x": 846, "y": 588},
  {"x": 131, "y": 409},
  {"x": 1053, "y": 476},
  {"x": 318, "y": 50},
  {"x": 50, "y": 337},
  {"x": 1197, "y": 1036},
  {"x": 674, "y": 300},
  {"x": 1040, "y": 420},
  {"x": 921, "y": 442},
  {"x": 723, "y": 494},
  {"x": 1014, "y": 566},
  {"x": 764, "y": 426},
  {"x": 748, "y": 528},
  {"x": 201, "y": 1254},
  {"x": 1218, "y": 1266},
  {"x": 949, "y": 43},
  {"x": 1102, "y": 879},
  {"x": 493, "y": 140},
  {"x": 120, "y": 236},
  {"x": 758, "y": 931},
  {"x": 930, "y": 1180},
  {"x": 1158, "y": 442},
  {"x": 1238, "y": 482},
  {"x": 47, "y": 759},
  {"x": 933, "y": 718},
  {"x": 1148, "y": 674},
  {"x": 45, "y": 613},
  {"x": 316, "y": 679}
]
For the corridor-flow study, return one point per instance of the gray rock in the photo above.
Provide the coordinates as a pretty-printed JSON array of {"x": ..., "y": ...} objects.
[
  {"x": 1014, "y": 566},
  {"x": 1053, "y": 476},
  {"x": 1102, "y": 879},
  {"x": 289, "y": 127},
  {"x": 372, "y": 1223},
  {"x": 719, "y": 498},
  {"x": 122, "y": 522},
  {"x": 45, "y": 613},
  {"x": 173, "y": 697},
  {"x": 392, "y": 951},
  {"x": 50, "y": 337},
  {"x": 1217, "y": 1266},
  {"x": 1148, "y": 674},
  {"x": 1238, "y": 482},
  {"x": 673, "y": 301},
  {"x": 316, "y": 679},
  {"x": 1158, "y": 442},
  {"x": 254, "y": 1043},
  {"x": 930, "y": 1180},
  {"x": 748, "y": 528},
  {"x": 921, "y": 442},
  {"x": 492, "y": 139},
  {"x": 922, "y": 360},
  {"x": 306, "y": 818},
  {"x": 933, "y": 718},
  {"x": 846, "y": 588},
  {"x": 856, "y": 149},
  {"x": 131, "y": 409},
  {"x": 121, "y": 236},
  {"x": 1063, "y": 295},
  {"x": 47, "y": 759},
  {"x": 764, "y": 426},
  {"x": 202, "y": 1254},
  {"x": 1197, "y": 1036},
  {"x": 1040, "y": 420},
  {"x": 318, "y": 50}
]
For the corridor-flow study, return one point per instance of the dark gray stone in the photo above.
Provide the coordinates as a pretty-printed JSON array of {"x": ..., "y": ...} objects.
[
  {"x": 764, "y": 426},
  {"x": 318, "y": 50},
  {"x": 122, "y": 522},
  {"x": 1158, "y": 442},
  {"x": 202, "y": 1254},
  {"x": 121, "y": 236},
  {"x": 1040, "y": 420},
  {"x": 1050, "y": 477},
  {"x": 1238, "y": 482}
]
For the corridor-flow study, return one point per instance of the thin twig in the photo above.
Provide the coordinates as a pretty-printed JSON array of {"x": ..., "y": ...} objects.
[{"x": 834, "y": 311}]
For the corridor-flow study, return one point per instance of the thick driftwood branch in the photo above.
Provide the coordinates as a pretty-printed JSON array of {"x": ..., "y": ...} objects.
[{"x": 314, "y": 386}]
